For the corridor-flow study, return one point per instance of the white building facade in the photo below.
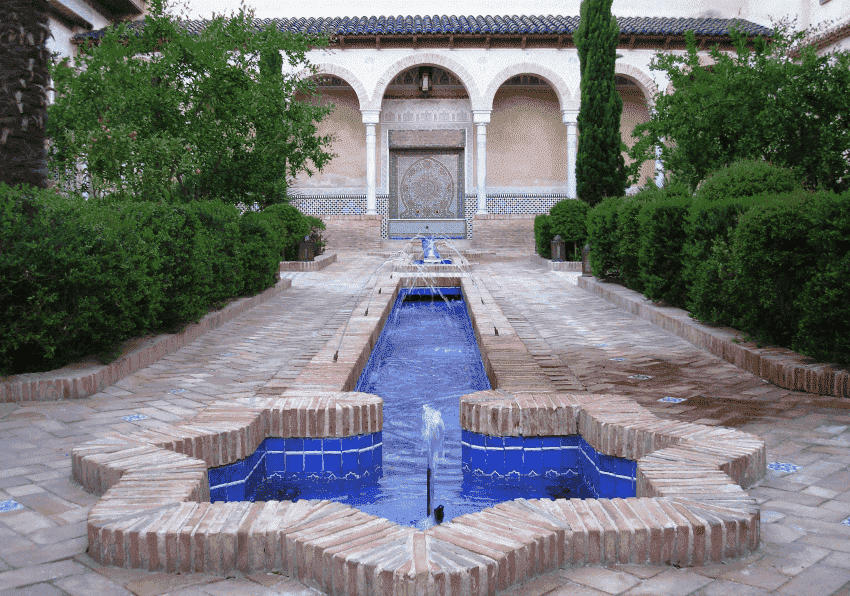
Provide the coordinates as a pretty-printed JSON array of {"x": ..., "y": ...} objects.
[{"x": 466, "y": 126}]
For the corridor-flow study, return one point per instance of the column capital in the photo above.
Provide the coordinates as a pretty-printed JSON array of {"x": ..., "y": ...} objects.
[
  {"x": 569, "y": 116},
  {"x": 481, "y": 116},
  {"x": 371, "y": 116}
]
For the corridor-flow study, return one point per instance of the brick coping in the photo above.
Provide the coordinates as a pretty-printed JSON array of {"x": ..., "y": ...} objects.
[
  {"x": 86, "y": 378},
  {"x": 318, "y": 264},
  {"x": 780, "y": 366},
  {"x": 155, "y": 514}
]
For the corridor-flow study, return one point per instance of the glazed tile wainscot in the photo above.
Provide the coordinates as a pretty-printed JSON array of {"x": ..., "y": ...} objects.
[{"x": 689, "y": 508}]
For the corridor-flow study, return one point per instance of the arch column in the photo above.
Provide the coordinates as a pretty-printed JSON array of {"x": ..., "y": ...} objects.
[
  {"x": 481, "y": 118},
  {"x": 370, "y": 118},
  {"x": 659, "y": 166},
  {"x": 570, "y": 118}
]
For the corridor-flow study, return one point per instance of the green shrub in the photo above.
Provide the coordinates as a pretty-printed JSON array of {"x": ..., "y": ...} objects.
[
  {"x": 773, "y": 257},
  {"x": 629, "y": 234},
  {"x": 260, "y": 250},
  {"x": 603, "y": 235},
  {"x": 215, "y": 252},
  {"x": 84, "y": 284},
  {"x": 823, "y": 330},
  {"x": 707, "y": 256},
  {"x": 295, "y": 224},
  {"x": 746, "y": 178},
  {"x": 568, "y": 219},
  {"x": 543, "y": 235},
  {"x": 662, "y": 236}
]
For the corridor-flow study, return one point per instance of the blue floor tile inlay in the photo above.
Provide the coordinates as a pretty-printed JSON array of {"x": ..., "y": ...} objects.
[
  {"x": 134, "y": 417},
  {"x": 846, "y": 522},
  {"x": 782, "y": 467},
  {"x": 9, "y": 505},
  {"x": 672, "y": 400},
  {"x": 640, "y": 377}
]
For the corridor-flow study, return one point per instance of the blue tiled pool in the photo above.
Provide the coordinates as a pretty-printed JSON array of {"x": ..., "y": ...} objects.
[{"x": 426, "y": 354}]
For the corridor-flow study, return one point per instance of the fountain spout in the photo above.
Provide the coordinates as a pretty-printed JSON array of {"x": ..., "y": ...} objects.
[
  {"x": 433, "y": 435},
  {"x": 429, "y": 251}
]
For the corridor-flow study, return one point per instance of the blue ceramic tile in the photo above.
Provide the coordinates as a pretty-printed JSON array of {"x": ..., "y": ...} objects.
[
  {"x": 330, "y": 445},
  {"x": 532, "y": 442},
  {"x": 476, "y": 439},
  {"x": 782, "y": 467},
  {"x": 464, "y": 435},
  {"x": 274, "y": 444},
  {"x": 218, "y": 494},
  {"x": 476, "y": 458},
  {"x": 532, "y": 461},
  {"x": 275, "y": 463},
  {"x": 364, "y": 441},
  {"x": 313, "y": 462},
  {"x": 332, "y": 462},
  {"x": 672, "y": 400},
  {"x": 495, "y": 460},
  {"x": 294, "y": 444},
  {"x": 465, "y": 450},
  {"x": 617, "y": 359},
  {"x": 846, "y": 522},
  {"x": 350, "y": 461},
  {"x": 216, "y": 476},
  {"x": 313, "y": 445},
  {"x": 349, "y": 443},
  {"x": 513, "y": 441},
  {"x": 497, "y": 442},
  {"x": 10, "y": 505},
  {"x": 366, "y": 456},
  {"x": 295, "y": 463},
  {"x": 236, "y": 492},
  {"x": 134, "y": 417},
  {"x": 513, "y": 459},
  {"x": 571, "y": 441},
  {"x": 569, "y": 458}
]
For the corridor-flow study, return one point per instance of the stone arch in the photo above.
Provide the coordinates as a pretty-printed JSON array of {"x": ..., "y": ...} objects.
[
  {"x": 427, "y": 57},
  {"x": 342, "y": 73},
  {"x": 559, "y": 85},
  {"x": 643, "y": 80}
]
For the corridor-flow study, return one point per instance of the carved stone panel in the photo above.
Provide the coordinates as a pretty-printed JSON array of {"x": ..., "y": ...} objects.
[{"x": 426, "y": 184}]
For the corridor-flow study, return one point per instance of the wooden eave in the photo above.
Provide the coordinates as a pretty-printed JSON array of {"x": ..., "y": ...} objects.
[{"x": 492, "y": 41}]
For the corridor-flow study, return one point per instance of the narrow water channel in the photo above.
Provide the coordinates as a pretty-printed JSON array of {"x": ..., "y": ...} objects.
[{"x": 426, "y": 355}]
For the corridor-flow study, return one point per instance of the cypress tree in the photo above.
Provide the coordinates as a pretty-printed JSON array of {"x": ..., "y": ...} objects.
[{"x": 600, "y": 167}]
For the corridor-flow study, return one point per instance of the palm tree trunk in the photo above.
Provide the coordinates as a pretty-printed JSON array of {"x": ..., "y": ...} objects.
[{"x": 24, "y": 77}]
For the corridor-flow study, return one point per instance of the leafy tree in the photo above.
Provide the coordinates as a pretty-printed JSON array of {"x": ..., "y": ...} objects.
[
  {"x": 600, "y": 167},
  {"x": 162, "y": 113},
  {"x": 778, "y": 101},
  {"x": 24, "y": 80}
]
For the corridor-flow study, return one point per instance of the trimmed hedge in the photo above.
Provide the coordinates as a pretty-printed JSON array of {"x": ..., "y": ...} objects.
[
  {"x": 543, "y": 235},
  {"x": 604, "y": 236},
  {"x": 80, "y": 277},
  {"x": 747, "y": 178}
]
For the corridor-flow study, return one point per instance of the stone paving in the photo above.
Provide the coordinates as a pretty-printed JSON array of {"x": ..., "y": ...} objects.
[{"x": 805, "y": 547}]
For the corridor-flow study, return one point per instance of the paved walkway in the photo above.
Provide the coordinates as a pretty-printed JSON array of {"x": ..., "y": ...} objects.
[{"x": 805, "y": 547}]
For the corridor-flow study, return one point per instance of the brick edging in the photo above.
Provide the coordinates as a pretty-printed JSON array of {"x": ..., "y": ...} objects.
[
  {"x": 573, "y": 266},
  {"x": 318, "y": 264},
  {"x": 782, "y": 367},
  {"x": 66, "y": 383},
  {"x": 690, "y": 507}
]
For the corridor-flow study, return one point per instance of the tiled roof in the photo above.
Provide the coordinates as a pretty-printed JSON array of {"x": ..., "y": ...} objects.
[{"x": 471, "y": 25}]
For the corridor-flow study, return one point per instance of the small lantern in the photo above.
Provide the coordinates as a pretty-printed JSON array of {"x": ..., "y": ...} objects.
[
  {"x": 306, "y": 249},
  {"x": 558, "y": 249},
  {"x": 425, "y": 83},
  {"x": 586, "y": 271}
]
